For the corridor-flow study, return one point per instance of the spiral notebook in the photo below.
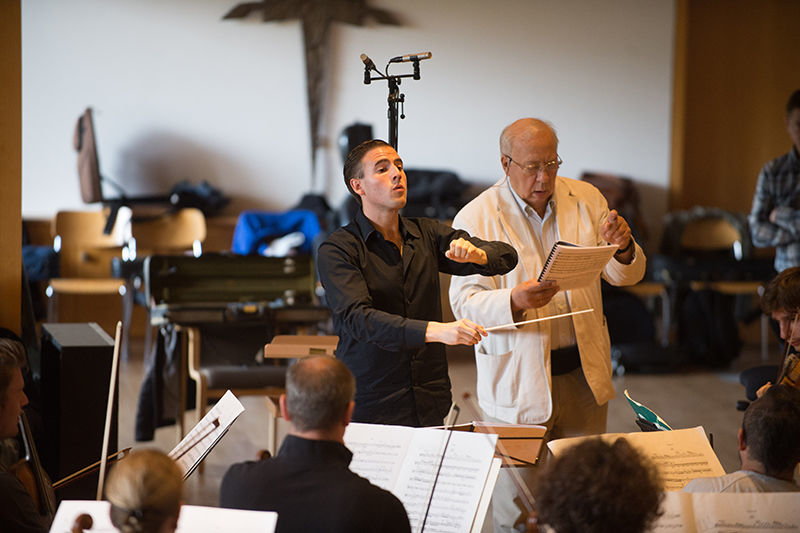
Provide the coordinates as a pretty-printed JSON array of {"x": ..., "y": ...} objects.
[{"x": 574, "y": 266}]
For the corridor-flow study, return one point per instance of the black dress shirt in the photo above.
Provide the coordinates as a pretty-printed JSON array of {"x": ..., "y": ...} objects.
[
  {"x": 311, "y": 488},
  {"x": 382, "y": 301}
]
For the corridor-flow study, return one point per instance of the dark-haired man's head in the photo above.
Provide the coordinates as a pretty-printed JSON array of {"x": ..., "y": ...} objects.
[
  {"x": 595, "y": 487},
  {"x": 374, "y": 175},
  {"x": 12, "y": 385},
  {"x": 781, "y": 300},
  {"x": 319, "y": 397},
  {"x": 769, "y": 439}
]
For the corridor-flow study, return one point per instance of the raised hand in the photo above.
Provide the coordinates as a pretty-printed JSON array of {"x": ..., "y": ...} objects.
[
  {"x": 615, "y": 230},
  {"x": 463, "y": 251}
]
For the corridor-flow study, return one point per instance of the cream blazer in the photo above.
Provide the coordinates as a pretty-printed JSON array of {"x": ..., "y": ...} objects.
[{"x": 514, "y": 365}]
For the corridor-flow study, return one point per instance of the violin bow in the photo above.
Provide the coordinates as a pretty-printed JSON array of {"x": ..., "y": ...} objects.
[
  {"x": 112, "y": 389},
  {"x": 85, "y": 471}
]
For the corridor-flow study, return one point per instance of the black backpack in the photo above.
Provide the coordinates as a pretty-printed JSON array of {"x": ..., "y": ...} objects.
[{"x": 707, "y": 328}]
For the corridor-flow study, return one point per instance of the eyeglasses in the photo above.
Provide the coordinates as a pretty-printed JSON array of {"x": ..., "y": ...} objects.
[{"x": 534, "y": 168}]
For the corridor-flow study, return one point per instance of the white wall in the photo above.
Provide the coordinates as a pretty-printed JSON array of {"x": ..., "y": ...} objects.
[{"x": 180, "y": 94}]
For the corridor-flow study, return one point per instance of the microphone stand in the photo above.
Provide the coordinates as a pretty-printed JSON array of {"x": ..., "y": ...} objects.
[
  {"x": 396, "y": 99},
  {"x": 454, "y": 411}
]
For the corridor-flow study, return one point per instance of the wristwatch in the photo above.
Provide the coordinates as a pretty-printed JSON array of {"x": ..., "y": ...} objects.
[{"x": 623, "y": 250}]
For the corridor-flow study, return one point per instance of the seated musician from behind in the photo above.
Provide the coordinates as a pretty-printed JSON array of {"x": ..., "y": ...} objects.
[
  {"x": 145, "y": 490},
  {"x": 309, "y": 483},
  {"x": 596, "y": 487},
  {"x": 17, "y": 510},
  {"x": 769, "y": 447}
]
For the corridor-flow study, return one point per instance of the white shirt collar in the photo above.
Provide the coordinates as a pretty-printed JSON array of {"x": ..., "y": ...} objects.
[{"x": 527, "y": 210}]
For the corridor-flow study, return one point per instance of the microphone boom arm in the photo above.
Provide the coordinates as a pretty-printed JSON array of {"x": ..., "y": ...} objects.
[{"x": 395, "y": 99}]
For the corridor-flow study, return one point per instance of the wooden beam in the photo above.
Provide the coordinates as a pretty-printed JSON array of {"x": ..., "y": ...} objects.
[
  {"x": 677, "y": 164},
  {"x": 10, "y": 164}
]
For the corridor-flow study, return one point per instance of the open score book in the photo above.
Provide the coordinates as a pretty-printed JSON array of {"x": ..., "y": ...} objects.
[
  {"x": 680, "y": 455},
  {"x": 574, "y": 266},
  {"x": 404, "y": 461}
]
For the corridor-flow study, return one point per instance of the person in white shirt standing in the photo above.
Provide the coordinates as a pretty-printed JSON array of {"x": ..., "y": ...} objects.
[{"x": 556, "y": 373}]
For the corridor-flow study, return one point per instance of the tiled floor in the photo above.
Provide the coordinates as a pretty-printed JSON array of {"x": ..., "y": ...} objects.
[{"x": 688, "y": 399}]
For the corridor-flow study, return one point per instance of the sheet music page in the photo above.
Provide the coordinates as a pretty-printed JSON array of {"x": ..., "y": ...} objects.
[
  {"x": 460, "y": 483},
  {"x": 722, "y": 513},
  {"x": 199, "y": 441},
  {"x": 762, "y": 511},
  {"x": 193, "y": 518},
  {"x": 680, "y": 455},
  {"x": 378, "y": 451},
  {"x": 677, "y": 514},
  {"x": 68, "y": 511},
  {"x": 574, "y": 267},
  {"x": 486, "y": 495},
  {"x": 404, "y": 461}
]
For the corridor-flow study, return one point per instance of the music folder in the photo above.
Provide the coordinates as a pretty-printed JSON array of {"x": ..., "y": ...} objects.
[
  {"x": 206, "y": 434},
  {"x": 522, "y": 442},
  {"x": 574, "y": 266}
]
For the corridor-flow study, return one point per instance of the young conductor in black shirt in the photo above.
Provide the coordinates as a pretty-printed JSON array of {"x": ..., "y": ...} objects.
[{"x": 381, "y": 278}]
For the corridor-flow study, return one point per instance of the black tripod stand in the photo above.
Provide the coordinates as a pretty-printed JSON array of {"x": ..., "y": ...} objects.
[{"x": 396, "y": 99}]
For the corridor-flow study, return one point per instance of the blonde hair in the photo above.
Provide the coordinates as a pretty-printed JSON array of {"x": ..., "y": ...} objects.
[
  {"x": 145, "y": 490},
  {"x": 12, "y": 356}
]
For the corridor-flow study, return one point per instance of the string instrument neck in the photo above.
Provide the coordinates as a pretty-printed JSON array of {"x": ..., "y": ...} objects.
[{"x": 30, "y": 473}]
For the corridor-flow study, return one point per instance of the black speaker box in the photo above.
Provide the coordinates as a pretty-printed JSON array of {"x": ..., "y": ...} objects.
[{"x": 75, "y": 375}]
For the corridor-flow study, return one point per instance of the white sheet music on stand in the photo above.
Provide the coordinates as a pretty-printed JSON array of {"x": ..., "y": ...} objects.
[
  {"x": 680, "y": 455},
  {"x": 193, "y": 519},
  {"x": 717, "y": 513},
  {"x": 486, "y": 495},
  {"x": 404, "y": 461},
  {"x": 205, "y": 435}
]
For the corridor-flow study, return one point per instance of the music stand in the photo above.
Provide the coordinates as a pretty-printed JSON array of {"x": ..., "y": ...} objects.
[{"x": 522, "y": 443}]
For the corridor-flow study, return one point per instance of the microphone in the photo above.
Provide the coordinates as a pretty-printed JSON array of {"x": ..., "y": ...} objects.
[
  {"x": 368, "y": 62},
  {"x": 410, "y": 57}
]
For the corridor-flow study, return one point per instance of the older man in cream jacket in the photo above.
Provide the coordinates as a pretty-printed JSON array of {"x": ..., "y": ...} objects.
[{"x": 556, "y": 373}]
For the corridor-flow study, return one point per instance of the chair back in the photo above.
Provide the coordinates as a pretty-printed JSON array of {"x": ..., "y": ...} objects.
[
  {"x": 168, "y": 233},
  {"x": 706, "y": 232},
  {"x": 84, "y": 250}
]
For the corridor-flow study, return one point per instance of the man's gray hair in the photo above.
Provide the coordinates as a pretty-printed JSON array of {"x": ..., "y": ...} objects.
[{"x": 318, "y": 391}]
